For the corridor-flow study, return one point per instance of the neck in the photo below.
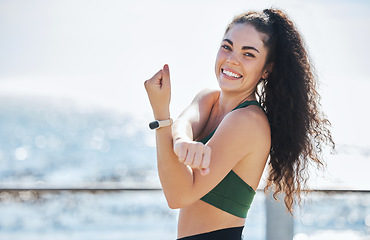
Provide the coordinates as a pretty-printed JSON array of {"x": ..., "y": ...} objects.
[{"x": 228, "y": 101}]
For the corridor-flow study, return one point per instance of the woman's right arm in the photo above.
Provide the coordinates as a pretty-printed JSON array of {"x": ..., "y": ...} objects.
[{"x": 190, "y": 125}]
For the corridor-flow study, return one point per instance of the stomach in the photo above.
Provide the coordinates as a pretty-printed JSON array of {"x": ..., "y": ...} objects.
[{"x": 201, "y": 217}]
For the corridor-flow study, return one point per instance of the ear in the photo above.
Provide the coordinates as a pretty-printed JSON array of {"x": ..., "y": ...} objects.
[{"x": 267, "y": 70}]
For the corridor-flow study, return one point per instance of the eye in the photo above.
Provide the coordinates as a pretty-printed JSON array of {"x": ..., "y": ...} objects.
[
  {"x": 249, "y": 55},
  {"x": 226, "y": 47}
]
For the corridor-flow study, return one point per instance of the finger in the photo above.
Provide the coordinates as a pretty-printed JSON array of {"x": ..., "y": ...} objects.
[
  {"x": 156, "y": 79},
  {"x": 206, "y": 158},
  {"x": 166, "y": 77},
  {"x": 176, "y": 149},
  {"x": 182, "y": 153},
  {"x": 197, "y": 159},
  {"x": 189, "y": 157},
  {"x": 204, "y": 172}
]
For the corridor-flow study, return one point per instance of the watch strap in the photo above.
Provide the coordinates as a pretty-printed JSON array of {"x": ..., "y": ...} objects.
[{"x": 160, "y": 123}]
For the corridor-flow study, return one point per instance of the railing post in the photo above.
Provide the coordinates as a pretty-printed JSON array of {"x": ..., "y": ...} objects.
[{"x": 279, "y": 223}]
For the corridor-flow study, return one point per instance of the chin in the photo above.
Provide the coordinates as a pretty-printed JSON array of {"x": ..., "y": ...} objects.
[
  {"x": 229, "y": 84},
  {"x": 227, "y": 87}
]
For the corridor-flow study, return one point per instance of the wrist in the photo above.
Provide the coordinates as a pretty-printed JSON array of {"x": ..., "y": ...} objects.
[
  {"x": 181, "y": 139},
  {"x": 160, "y": 123},
  {"x": 162, "y": 115}
]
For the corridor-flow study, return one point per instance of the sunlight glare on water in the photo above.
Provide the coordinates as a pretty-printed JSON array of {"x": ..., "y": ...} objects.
[{"x": 21, "y": 153}]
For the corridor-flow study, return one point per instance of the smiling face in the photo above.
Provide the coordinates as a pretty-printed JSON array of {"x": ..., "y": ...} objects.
[{"x": 240, "y": 62}]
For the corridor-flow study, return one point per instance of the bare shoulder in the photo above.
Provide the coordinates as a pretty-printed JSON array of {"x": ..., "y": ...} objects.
[
  {"x": 201, "y": 104},
  {"x": 197, "y": 113},
  {"x": 252, "y": 120},
  {"x": 248, "y": 127},
  {"x": 207, "y": 96},
  {"x": 251, "y": 117},
  {"x": 204, "y": 102}
]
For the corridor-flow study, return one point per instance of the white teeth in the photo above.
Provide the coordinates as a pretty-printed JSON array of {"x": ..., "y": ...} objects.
[{"x": 230, "y": 74}]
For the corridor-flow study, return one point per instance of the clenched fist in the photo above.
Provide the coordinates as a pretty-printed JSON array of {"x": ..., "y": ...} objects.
[
  {"x": 194, "y": 154},
  {"x": 158, "y": 89}
]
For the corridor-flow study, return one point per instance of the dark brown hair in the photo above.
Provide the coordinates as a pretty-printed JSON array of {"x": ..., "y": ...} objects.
[{"x": 299, "y": 130}]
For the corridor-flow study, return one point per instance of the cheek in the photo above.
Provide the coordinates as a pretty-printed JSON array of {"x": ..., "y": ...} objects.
[
  {"x": 218, "y": 62},
  {"x": 253, "y": 67}
]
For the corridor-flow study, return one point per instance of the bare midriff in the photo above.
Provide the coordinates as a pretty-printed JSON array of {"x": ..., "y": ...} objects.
[{"x": 201, "y": 217}]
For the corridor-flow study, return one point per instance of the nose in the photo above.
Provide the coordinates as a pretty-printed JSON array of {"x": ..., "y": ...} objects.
[{"x": 232, "y": 59}]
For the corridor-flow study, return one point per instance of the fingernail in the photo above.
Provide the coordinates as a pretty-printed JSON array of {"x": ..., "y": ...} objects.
[
  {"x": 204, "y": 171},
  {"x": 165, "y": 66}
]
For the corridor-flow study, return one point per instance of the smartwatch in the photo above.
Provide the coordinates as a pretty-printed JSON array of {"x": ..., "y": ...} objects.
[{"x": 158, "y": 124}]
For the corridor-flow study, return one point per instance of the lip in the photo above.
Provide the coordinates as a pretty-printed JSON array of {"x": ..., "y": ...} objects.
[{"x": 231, "y": 71}]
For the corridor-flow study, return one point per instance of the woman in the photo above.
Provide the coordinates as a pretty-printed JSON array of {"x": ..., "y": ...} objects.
[{"x": 211, "y": 160}]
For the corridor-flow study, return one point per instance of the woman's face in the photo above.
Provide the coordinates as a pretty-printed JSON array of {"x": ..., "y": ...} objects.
[{"x": 240, "y": 62}]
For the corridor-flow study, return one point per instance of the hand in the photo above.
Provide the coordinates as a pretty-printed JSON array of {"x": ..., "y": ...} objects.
[
  {"x": 158, "y": 89},
  {"x": 194, "y": 154}
]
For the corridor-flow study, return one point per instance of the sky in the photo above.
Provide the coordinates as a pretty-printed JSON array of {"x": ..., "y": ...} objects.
[{"x": 98, "y": 53}]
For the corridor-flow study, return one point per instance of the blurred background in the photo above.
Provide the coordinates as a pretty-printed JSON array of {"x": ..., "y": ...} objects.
[{"x": 74, "y": 114}]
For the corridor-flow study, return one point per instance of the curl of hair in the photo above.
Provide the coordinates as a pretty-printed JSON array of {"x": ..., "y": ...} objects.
[{"x": 299, "y": 130}]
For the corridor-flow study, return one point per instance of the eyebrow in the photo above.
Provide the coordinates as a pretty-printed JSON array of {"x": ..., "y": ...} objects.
[{"x": 244, "y": 47}]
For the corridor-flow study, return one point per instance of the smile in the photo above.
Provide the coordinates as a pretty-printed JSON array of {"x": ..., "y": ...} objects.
[{"x": 230, "y": 74}]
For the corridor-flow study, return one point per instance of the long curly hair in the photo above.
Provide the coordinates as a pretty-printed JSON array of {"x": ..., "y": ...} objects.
[{"x": 299, "y": 130}]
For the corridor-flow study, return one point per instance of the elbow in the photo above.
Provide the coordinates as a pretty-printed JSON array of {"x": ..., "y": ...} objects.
[
  {"x": 176, "y": 202},
  {"x": 173, "y": 205}
]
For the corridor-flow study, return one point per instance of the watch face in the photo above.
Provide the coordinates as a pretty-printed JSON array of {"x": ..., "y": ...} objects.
[{"x": 154, "y": 125}]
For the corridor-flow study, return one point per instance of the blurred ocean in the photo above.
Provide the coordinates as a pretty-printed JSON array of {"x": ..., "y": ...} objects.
[{"x": 46, "y": 144}]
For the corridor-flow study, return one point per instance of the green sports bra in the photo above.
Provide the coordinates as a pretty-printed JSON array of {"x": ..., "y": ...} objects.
[{"x": 232, "y": 194}]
